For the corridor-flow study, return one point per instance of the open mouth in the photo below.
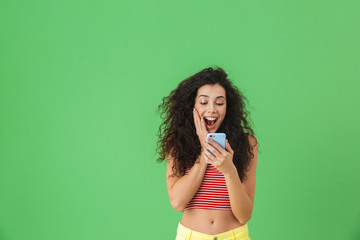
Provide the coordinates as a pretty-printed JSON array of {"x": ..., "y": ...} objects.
[{"x": 210, "y": 122}]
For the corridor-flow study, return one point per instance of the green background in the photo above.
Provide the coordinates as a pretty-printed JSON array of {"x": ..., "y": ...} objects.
[{"x": 81, "y": 81}]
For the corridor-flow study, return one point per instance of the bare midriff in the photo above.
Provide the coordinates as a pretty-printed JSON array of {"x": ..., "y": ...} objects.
[{"x": 209, "y": 221}]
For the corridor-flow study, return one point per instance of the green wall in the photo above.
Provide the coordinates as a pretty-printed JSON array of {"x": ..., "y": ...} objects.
[{"x": 80, "y": 82}]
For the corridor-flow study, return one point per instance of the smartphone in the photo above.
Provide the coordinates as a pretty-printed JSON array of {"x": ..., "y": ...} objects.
[{"x": 220, "y": 138}]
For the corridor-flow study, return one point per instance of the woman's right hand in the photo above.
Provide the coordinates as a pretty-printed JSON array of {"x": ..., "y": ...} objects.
[{"x": 200, "y": 126}]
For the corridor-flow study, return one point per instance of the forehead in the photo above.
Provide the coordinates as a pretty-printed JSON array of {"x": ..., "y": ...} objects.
[{"x": 212, "y": 91}]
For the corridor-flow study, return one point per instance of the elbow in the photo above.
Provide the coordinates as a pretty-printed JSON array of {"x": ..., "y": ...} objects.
[
  {"x": 247, "y": 216},
  {"x": 179, "y": 209},
  {"x": 177, "y": 206},
  {"x": 244, "y": 219},
  {"x": 176, "y": 203}
]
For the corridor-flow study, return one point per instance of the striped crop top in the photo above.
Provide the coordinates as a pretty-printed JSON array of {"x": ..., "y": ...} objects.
[{"x": 212, "y": 193}]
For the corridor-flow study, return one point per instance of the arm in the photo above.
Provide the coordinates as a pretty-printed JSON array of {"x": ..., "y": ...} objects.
[
  {"x": 181, "y": 190},
  {"x": 242, "y": 194},
  {"x": 240, "y": 202}
]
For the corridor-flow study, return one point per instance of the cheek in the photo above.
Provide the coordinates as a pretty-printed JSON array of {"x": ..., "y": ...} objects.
[
  {"x": 199, "y": 110},
  {"x": 223, "y": 115}
]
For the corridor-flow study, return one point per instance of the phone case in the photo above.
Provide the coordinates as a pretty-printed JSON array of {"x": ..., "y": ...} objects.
[{"x": 220, "y": 138}]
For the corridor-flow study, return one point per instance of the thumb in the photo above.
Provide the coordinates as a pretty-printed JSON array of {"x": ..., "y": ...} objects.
[{"x": 228, "y": 147}]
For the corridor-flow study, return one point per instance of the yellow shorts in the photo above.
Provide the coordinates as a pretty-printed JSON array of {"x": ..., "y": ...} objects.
[{"x": 240, "y": 233}]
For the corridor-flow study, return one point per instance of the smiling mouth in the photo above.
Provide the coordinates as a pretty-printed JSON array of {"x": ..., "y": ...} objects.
[{"x": 210, "y": 123}]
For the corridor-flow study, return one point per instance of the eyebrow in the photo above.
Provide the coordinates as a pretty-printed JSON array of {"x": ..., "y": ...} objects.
[{"x": 208, "y": 96}]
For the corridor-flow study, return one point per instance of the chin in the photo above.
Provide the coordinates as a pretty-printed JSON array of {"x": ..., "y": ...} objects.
[{"x": 212, "y": 130}]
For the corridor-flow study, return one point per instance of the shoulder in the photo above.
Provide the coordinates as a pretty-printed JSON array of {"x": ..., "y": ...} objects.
[
  {"x": 253, "y": 140},
  {"x": 254, "y": 149}
]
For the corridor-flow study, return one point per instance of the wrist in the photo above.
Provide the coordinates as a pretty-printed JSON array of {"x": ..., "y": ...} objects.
[
  {"x": 232, "y": 172},
  {"x": 201, "y": 160}
]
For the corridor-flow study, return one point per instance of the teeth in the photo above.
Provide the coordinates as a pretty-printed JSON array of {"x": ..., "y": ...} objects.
[{"x": 211, "y": 119}]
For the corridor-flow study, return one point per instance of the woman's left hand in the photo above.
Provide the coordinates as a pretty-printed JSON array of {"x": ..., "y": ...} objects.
[{"x": 223, "y": 159}]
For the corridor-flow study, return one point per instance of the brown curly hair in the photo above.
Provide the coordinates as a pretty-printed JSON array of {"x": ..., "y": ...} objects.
[{"x": 177, "y": 133}]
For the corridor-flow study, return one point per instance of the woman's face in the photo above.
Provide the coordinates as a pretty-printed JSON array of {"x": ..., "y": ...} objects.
[{"x": 210, "y": 102}]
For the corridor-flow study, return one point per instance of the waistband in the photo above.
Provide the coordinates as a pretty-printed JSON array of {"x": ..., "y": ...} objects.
[{"x": 241, "y": 231}]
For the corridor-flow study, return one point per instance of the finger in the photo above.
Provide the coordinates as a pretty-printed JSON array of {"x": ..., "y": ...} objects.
[
  {"x": 208, "y": 156},
  {"x": 211, "y": 159},
  {"x": 216, "y": 146},
  {"x": 196, "y": 119},
  {"x": 203, "y": 126},
  {"x": 213, "y": 150}
]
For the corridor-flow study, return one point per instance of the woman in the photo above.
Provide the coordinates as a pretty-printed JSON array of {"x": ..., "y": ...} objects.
[{"x": 216, "y": 198}]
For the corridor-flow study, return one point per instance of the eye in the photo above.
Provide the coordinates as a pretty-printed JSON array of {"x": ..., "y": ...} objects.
[{"x": 217, "y": 103}]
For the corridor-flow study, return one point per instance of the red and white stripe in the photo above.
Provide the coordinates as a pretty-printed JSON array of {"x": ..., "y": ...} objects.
[{"x": 212, "y": 193}]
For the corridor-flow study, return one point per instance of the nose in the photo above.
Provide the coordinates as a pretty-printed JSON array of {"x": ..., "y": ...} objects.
[{"x": 211, "y": 108}]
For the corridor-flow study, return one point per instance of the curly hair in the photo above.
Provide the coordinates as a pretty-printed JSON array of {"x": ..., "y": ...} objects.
[{"x": 177, "y": 133}]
